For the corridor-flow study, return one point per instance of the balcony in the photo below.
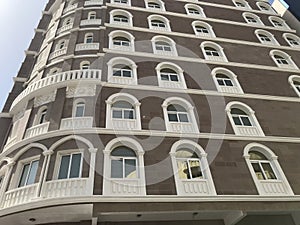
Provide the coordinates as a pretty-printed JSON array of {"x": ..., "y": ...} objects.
[
  {"x": 75, "y": 123},
  {"x": 181, "y": 127},
  {"x": 65, "y": 188},
  {"x": 122, "y": 80},
  {"x": 37, "y": 130},
  {"x": 230, "y": 89},
  {"x": 87, "y": 46},
  {"x": 272, "y": 187},
  {"x": 171, "y": 84},
  {"x": 65, "y": 28},
  {"x": 248, "y": 131},
  {"x": 160, "y": 28},
  {"x": 124, "y": 124},
  {"x": 216, "y": 58},
  {"x": 90, "y": 22},
  {"x": 122, "y": 48},
  {"x": 19, "y": 196},
  {"x": 193, "y": 187},
  {"x": 93, "y": 2},
  {"x": 124, "y": 187},
  {"x": 58, "y": 53},
  {"x": 70, "y": 8},
  {"x": 58, "y": 80}
]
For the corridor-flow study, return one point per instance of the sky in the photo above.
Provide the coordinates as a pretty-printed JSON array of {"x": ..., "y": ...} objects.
[{"x": 17, "y": 24}]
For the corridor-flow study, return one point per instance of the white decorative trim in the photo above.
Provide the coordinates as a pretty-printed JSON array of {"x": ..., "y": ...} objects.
[
  {"x": 196, "y": 7},
  {"x": 163, "y": 19},
  {"x": 159, "y": 2},
  {"x": 124, "y": 34},
  {"x": 255, "y": 17},
  {"x": 207, "y": 26},
  {"x": 291, "y": 80},
  {"x": 81, "y": 91},
  {"x": 279, "y": 20},
  {"x": 287, "y": 57},
  {"x": 292, "y": 36},
  {"x": 122, "y": 13},
  {"x": 217, "y": 47},
  {"x": 44, "y": 99},
  {"x": 165, "y": 39}
]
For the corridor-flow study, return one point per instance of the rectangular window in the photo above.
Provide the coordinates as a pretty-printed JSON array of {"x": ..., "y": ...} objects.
[
  {"x": 189, "y": 169},
  {"x": 123, "y": 168},
  {"x": 70, "y": 166},
  {"x": 28, "y": 174}
]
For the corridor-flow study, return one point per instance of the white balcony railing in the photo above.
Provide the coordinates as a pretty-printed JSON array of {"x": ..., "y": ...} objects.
[
  {"x": 19, "y": 195},
  {"x": 122, "y": 48},
  {"x": 65, "y": 188},
  {"x": 230, "y": 89},
  {"x": 248, "y": 131},
  {"x": 124, "y": 187},
  {"x": 216, "y": 58},
  {"x": 37, "y": 130},
  {"x": 160, "y": 28},
  {"x": 87, "y": 46},
  {"x": 90, "y": 22},
  {"x": 70, "y": 8},
  {"x": 171, "y": 84},
  {"x": 76, "y": 123},
  {"x": 124, "y": 124},
  {"x": 273, "y": 187},
  {"x": 58, "y": 53},
  {"x": 58, "y": 79},
  {"x": 65, "y": 28},
  {"x": 167, "y": 53},
  {"x": 181, "y": 127},
  {"x": 194, "y": 187},
  {"x": 122, "y": 80},
  {"x": 93, "y": 2}
]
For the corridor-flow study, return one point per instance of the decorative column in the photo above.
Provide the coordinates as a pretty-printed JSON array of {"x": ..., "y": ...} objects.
[
  {"x": 44, "y": 173},
  {"x": 9, "y": 166},
  {"x": 90, "y": 185}
]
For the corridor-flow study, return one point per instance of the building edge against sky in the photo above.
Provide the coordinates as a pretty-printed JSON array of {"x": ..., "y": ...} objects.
[{"x": 115, "y": 118}]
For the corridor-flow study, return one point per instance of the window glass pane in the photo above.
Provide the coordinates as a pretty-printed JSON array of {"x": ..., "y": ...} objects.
[
  {"x": 75, "y": 165},
  {"x": 32, "y": 172},
  {"x": 64, "y": 167},
  {"x": 246, "y": 121},
  {"x": 117, "y": 114},
  {"x": 123, "y": 151},
  {"x": 195, "y": 169},
  {"x": 79, "y": 111},
  {"x": 172, "y": 117},
  {"x": 228, "y": 82},
  {"x": 126, "y": 73},
  {"x": 117, "y": 168},
  {"x": 24, "y": 175},
  {"x": 183, "y": 118},
  {"x": 268, "y": 171},
  {"x": 117, "y": 72},
  {"x": 130, "y": 168},
  {"x": 221, "y": 82},
  {"x": 164, "y": 77},
  {"x": 237, "y": 120},
  {"x": 182, "y": 169},
  {"x": 128, "y": 114},
  {"x": 174, "y": 77},
  {"x": 258, "y": 172}
]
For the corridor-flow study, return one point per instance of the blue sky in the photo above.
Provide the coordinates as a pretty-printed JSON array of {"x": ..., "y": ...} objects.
[{"x": 17, "y": 24}]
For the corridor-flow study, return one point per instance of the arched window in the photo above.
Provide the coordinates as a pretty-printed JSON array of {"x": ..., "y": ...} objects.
[
  {"x": 241, "y": 4},
  {"x": 123, "y": 2},
  {"x": 79, "y": 108},
  {"x": 92, "y": 15},
  {"x": 121, "y": 17},
  {"x": 157, "y": 22},
  {"x": 85, "y": 65},
  {"x": 121, "y": 40},
  {"x": 203, "y": 29},
  {"x": 179, "y": 116},
  {"x": 263, "y": 6},
  {"x": 243, "y": 120},
  {"x": 170, "y": 76},
  {"x": 194, "y": 10},
  {"x": 266, "y": 37},
  {"x": 67, "y": 21},
  {"x": 41, "y": 116},
  {"x": 123, "y": 112},
  {"x": 282, "y": 59},
  {"x": 292, "y": 40},
  {"x": 70, "y": 164},
  {"x": 124, "y": 168},
  {"x": 252, "y": 18},
  {"x": 28, "y": 173},
  {"x": 294, "y": 81},
  {"x": 226, "y": 81},
  {"x": 191, "y": 169},
  {"x": 155, "y": 5},
  {"x": 163, "y": 46},
  {"x": 278, "y": 22},
  {"x": 122, "y": 70},
  {"x": 266, "y": 171},
  {"x": 89, "y": 38},
  {"x": 213, "y": 51},
  {"x": 62, "y": 44}
]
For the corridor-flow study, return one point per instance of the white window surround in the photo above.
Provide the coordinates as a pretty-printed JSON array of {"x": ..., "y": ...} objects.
[
  {"x": 159, "y": 18},
  {"x": 211, "y": 32},
  {"x": 85, "y": 65},
  {"x": 92, "y": 15},
  {"x": 89, "y": 38},
  {"x": 291, "y": 80},
  {"x": 125, "y": 34},
  {"x": 294, "y": 37},
  {"x": 285, "y": 57},
  {"x": 186, "y": 187},
  {"x": 274, "y": 20},
  {"x": 119, "y": 186},
  {"x": 263, "y": 6},
  {"x": 62, "y": 44},
  {"x": 121, "y": 12},
  {"x": 236, "y": 88},
  {"x": 254, "y": 130},
  {"x": 40, "y": 115},
  {"x": 181, "y": 127},
  {"x": 243, "y": 2},
  {"x": 159, "y": 2},
  {"x": 75, "y": 105},
  {"x": 165, "y": 39},
  {"x": 170, "y": 84},
  {"x": 111, "y": 123},
  {"x": 218, "y": 48},
  {"x": 268, "y": 35},
  {"x": 268, "y": 187},
  {"x": 255, "y": 17},
  {"x": 59, "y": 156},
  {"x": 122, "y": 80},
  {"x": 68, "y": 21},
  {"x": 196, "y": 8},
  {"x": 122, "y": 2}
]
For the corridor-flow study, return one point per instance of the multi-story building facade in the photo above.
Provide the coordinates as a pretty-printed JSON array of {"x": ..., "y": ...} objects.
[{"x": 154, "y": 112}]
